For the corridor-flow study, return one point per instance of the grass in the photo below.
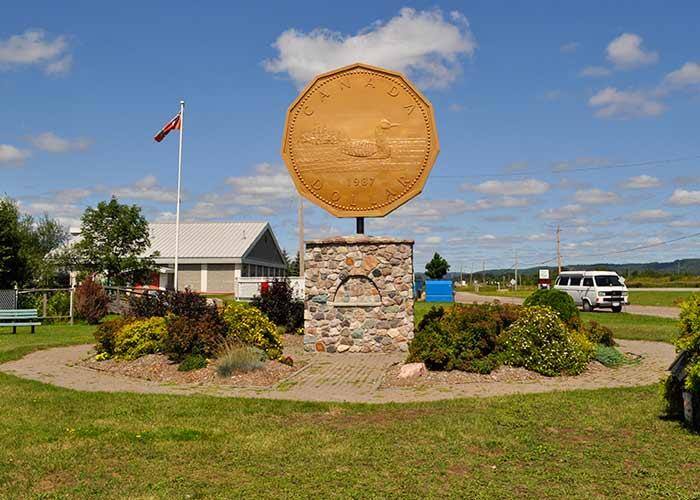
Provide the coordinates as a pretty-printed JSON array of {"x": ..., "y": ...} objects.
[
  {"x": 62, "y": 443},
  {"x": 14, "y": 346},
  {"x": 653, "y": 298},
  {"x": 635, "y": 326}
]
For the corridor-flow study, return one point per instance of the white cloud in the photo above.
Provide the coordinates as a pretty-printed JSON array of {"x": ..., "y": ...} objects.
[
  {"x": 688, "y": 74},
  {"x": 594, "y": 71},
  {"x": 626, "y": 52},
  {"x": 11, "y": 154},
  {"x": 426, "y": 44},
  {"x": 565, "y": 212},
  {"x": 526, "y": 187},
  {"x": 539, "y": 237},
  {"x": 145, "y": 189},
  {"x": 456, "y": 107},
  {"x": 207, "y": 211},
  {"x": 71, "y": 195},
  {"x": 67, "y": 214},
  {"x": 433, "y": 240},
  {"x": 613, "y": 103},
  {"x": 685, "y": 197},
  {"x": 568, "y": 48},
  {"x": 423, "y": 209},
  {"x": 685, "y": 223},
  {"x": 641, "y": 182},
  {"x": 653, "y": 215},
  {"x": 48, "y": 141},
  {"x": 595, "y": 196},
  {"x": 34, "y": 47},
  {"x": 486, "y": 237},
  {"x": 502, "y": 202},
  {"x": 268, "y": 184}
]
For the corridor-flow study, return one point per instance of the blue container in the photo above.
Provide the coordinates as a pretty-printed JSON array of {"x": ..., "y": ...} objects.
[{"x": 439, "y": 291}]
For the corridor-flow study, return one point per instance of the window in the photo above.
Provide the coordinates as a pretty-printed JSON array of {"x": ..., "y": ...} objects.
[
  {"x": 563, "y": 280},
  {"x": 575, "y": 281},
  {"x": 608, "y": 280},
  {"x": 588, "y": 282}
]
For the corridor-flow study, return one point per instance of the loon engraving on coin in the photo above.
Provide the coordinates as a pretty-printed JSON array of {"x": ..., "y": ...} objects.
[{"x": 360, "y": 141}]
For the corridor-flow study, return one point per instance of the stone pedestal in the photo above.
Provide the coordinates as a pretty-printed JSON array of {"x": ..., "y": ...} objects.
[{"x": 358, "y": 294}]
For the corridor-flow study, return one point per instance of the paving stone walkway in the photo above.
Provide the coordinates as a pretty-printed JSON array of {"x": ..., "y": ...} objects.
[{"x": 328, "y": 377}]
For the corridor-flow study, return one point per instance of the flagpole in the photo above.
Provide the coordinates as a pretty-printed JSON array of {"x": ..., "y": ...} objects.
[{"x": 179, "y": 180}]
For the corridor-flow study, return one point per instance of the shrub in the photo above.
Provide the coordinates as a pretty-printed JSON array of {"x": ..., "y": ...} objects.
[
  {"x": 672, "y": 395},
  {"x": 235, "y": 357},
  {"x": 187, "y": 304},
  {"x": 58, "y": 304},
  {"x": 464, "y": 338},
  {"x": 90, "y": 301},
  {"x": 277, "y": 302},
  {"x": 689, "y": 335},
  {"x": 192, "y": 362},
  {"x": 143, "y": 336},
  {"x": 540, "y": 341},
  {"x": 560, "y": 301},
  {"x": 106, "y": 334},
  {"x": 599, "y": 334},
  {"x": 609, "y": 356},
  {"x": 194, "y": 336},
  {"x": 147, "y": 305},
  {"x": 248, "y": 325}
]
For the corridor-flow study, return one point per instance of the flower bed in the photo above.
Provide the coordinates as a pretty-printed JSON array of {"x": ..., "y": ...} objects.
[
  {"x": 160, "y": 368},
  {"x": 181, "y": 330},
  {"x": 547, "y": 337}
]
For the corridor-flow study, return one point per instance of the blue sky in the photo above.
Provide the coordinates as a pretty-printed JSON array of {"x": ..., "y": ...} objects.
[{"x": 584, "y": 115}]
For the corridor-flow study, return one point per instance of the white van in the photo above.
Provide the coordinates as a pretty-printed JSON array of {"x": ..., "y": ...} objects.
[{"x": 594, "y": 289}]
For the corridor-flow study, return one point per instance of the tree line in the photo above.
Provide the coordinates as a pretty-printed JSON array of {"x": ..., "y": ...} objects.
[{"x": 36, "y": 252}]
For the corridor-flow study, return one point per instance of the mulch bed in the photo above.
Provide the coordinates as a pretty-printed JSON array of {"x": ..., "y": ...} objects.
[
  {"x": 501, "y": 374},
  {"x": 158, "y": 368}
]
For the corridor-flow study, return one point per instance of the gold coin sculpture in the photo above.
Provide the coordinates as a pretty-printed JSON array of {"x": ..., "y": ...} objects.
[{"x": 360, "y": 141}]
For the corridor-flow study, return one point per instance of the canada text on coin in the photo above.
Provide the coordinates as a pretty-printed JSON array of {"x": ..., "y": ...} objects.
[{"x": 360, "y": 141}]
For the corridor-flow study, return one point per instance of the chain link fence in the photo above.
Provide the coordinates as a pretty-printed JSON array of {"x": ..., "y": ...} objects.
[{"x": 8, "y": 299}]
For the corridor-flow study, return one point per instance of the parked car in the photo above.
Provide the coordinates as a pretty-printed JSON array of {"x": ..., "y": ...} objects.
[{"x": 594, "y": 289}]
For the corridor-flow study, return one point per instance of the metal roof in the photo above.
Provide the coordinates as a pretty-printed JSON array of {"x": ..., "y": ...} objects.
[{"x": 200, "y": 240}]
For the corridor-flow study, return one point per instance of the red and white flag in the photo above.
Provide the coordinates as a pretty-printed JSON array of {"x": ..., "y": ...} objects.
[{"x": 173, "y": 124}]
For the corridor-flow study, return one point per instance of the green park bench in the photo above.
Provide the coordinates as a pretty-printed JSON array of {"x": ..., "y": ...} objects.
[{"x": 19, "y": 317}]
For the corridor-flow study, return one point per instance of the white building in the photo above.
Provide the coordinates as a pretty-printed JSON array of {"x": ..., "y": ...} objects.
[{"x": 214, "y": 255}]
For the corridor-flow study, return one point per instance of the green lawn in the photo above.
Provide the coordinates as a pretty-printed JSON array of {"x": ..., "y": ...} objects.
[
  {"x": 651, "y": 298},
  {"x": 14, "y": 346},
  {"x": 635, "y": 326},
  {"x": 62, "y": 443}
]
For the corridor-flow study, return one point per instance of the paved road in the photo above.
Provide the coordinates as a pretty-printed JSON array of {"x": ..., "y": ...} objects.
[
  {"x": 664, "y": 289},
  {"x": 664, "y": 312},
  {"x": 340, "y": 377}
]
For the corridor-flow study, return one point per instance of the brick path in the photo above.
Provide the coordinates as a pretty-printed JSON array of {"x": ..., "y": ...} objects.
[{"x": 329, "y": 377}]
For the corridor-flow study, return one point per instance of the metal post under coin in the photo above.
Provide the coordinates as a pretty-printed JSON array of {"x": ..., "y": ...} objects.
[{"x": 360, "y": 225}]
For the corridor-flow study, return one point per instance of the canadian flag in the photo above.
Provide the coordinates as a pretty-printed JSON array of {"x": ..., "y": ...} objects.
[{"x": 173, "y": 124}]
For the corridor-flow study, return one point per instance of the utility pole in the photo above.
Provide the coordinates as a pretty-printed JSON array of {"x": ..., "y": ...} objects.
[
  {"x": 483, "y": 271},
  {"x": 558, "y": 249},
  {"x": 516, "y": 271},
  {"x": 301, "y": 237}
]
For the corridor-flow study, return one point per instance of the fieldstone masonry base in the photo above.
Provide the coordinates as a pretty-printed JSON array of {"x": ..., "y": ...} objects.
[{"x": 359, "y": 294}]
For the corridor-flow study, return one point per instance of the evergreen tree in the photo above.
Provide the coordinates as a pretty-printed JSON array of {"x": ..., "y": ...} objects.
[{"x": 437, "y": 267}]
